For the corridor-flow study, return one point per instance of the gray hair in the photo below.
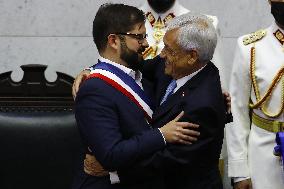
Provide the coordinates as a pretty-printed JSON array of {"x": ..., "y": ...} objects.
[{"x": 195, "y": 31}]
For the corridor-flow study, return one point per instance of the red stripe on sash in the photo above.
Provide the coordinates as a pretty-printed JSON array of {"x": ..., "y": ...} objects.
[{"x": 121, "y": 89}]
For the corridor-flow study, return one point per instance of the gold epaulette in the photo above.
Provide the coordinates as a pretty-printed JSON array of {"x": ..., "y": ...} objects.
[{"x": 253, "y": 37}]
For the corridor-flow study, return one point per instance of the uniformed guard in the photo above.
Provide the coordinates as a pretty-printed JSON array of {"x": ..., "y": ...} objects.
[{"x": 257, "y": 90}]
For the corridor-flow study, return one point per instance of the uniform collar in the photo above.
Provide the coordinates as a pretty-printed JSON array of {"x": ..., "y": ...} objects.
[{"x": 136, "y": 75}]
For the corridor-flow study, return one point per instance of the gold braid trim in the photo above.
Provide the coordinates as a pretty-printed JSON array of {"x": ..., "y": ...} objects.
[
  {"x": 252, "y": 75},
  {"x": 260, "y": 101}
]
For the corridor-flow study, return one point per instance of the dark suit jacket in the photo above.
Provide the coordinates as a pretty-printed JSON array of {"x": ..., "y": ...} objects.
[
  {"x": 117, "y": 133},
  {"x": 190, "y": 166}
]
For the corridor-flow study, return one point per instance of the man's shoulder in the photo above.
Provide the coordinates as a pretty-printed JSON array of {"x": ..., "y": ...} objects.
[
  {"x": 207, "y": 81},
  {"x": 156, "y": 64},
  {"x": 248, "y": 40},
  {"x": 207, "y": 95},
  {"x": 93, "y": 83},
  {"x": 210, "y": 71},
  {"x": 213, "y": 67},
  {"x": 211, "y": 82},
  {"x": 96, "y": 86}
]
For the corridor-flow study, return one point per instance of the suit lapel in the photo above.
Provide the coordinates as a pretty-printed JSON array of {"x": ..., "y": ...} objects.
[
  {"x": 167, "y": 105},
  {"x": 182, "y": 92},
  {"x": 147, "y": 87},
  {"x": 160, "y": 87},
  {"x": 162, "y": 91}
]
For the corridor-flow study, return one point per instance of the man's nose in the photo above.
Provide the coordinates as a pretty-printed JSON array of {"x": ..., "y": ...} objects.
[{"x": 145, "y": 43}]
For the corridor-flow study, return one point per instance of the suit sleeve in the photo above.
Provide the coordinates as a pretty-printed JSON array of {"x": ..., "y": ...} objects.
[
  {"x": 150, "y": 67},
  {"x": 98, "y": 121}
]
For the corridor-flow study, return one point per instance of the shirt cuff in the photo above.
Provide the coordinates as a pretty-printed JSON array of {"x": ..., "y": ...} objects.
[
  {"x": 162, "y": 136},
  {"x": 113, "y": 176},
  {"x": 238, "y": 179}
]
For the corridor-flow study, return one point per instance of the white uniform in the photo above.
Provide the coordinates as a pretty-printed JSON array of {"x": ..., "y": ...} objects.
[{"x": 250, "y": 151}]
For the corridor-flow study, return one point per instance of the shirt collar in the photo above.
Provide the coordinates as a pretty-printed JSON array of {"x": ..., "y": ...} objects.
[
  {"x": 136, "y": 75},
  {"x": 180, "y": 82}
]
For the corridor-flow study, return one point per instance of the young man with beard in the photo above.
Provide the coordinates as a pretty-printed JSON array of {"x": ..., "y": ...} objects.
[
  {"x": 257, "y": 106},
  {"x": 113, "y": 111}
]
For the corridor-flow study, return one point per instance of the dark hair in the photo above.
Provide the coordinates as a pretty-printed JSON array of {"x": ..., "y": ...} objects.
[{"x": 114, "y": 18}]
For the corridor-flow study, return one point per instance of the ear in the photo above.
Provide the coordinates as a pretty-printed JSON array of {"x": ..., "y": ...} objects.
[
  {"x": 113, "y": 41},
  {"x": 192, "y": 57}
]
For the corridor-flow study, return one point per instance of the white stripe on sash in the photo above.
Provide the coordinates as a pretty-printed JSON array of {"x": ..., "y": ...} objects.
[{"x": 116, "y": 79}]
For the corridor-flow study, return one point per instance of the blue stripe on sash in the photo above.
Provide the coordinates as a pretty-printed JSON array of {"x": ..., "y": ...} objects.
[{"x": 126, "y": 79}]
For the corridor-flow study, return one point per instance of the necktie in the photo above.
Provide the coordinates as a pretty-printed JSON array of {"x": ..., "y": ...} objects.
[{"x": 169, "y": 91}]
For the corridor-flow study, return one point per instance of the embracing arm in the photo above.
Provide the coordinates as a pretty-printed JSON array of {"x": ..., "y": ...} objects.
[
  {"x": 147, "y": 67},
  {"x": 150, "y": 67},
  {"x": 208, "y": 145},
  {"x": 204, "y": 152},
  {"x": 99, "y": 122}
]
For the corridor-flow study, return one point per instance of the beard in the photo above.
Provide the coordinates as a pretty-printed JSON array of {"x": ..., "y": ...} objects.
[
  {"x": 161, "y": 6},
  {"x": 132, "y": 58}
]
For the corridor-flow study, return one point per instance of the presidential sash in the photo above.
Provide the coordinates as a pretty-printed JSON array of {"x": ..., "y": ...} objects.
[{"x": 124, "y": 84}]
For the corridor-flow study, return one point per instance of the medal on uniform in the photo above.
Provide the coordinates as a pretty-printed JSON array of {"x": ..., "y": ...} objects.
[
  {"x": 150, "y": 17},
  {"x": 280, "y": 37},
  {"x": 158, "y": 32}
]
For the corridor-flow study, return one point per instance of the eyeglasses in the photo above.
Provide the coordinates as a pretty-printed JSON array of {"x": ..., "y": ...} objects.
[{"x": 139, "y": 36}]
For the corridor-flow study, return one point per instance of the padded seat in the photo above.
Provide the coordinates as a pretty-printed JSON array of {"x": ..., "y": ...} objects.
[{"x": 39, "y": 141}]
